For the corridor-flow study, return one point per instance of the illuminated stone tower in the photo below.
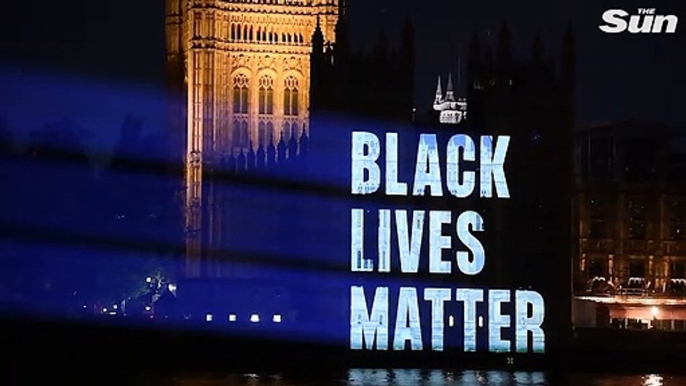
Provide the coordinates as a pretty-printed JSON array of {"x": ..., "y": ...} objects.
[{"x": 243, "y": 68}]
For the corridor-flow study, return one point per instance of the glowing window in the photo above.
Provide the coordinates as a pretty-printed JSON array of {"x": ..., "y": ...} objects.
[
  {"x": 254, "y": 318},
  {"x": 290, "y": 97},
  {"x": 277, "y": 318},
  {"x": 266, "y": 101},
  {"x": 240, "y": 94}
]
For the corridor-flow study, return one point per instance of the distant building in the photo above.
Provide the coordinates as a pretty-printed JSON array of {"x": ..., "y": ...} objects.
[
  {"x": 260, "y": 82},
  {"x": 630, "y": 197},
  {"x": 452, "y": 110},
  {"x": 531, "y": 99}
]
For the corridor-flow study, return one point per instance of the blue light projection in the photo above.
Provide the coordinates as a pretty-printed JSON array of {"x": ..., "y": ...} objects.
[{"x": 373, "y": 245}]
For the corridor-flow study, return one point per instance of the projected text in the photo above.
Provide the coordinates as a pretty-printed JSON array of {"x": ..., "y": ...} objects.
[{"x": 387, "y": 318}]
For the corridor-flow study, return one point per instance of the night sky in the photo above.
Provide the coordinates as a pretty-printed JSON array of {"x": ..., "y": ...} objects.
[{"x": 619, "y": 76}]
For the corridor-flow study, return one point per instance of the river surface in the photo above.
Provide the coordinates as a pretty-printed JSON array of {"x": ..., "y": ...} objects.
[{"x": 366, "y": 377}]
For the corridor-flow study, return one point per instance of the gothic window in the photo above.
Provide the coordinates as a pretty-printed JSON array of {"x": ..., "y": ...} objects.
[
  {"x": 265, "y": 133},
  {"x": 266, "y": 101},
  {"x": 290, "y": 97},
  {"x": 240, "y": 133},
  {"x": 197, "y": 23},
  {"x": 240, "y": 94},
  {"x": 233, "y": 32}
]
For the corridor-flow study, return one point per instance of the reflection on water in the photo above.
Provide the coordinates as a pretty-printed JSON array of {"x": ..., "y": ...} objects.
[
  {"x": 436, "y": 377},
  {"x": 380, "y": 377},
  {"x": 627, "y": 380}
]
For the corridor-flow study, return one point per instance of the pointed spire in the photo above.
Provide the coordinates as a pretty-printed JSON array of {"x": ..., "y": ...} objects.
[
  {"x": 449, "y": 92},
  {"x": 240, "y": 161},
  {"x": 318, "y": 35},
  {"x": 281, "y": 148},
  {"x": 304, "y": 144},
  {"x": 271, "y": 151},
  {"x": 261, "y": 157},
  {"x": 342, "y": 8},
  {"x": 439, "y": 92}
]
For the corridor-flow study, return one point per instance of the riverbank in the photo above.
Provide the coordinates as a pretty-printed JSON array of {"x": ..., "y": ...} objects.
[{"x": 74, "y": 348}]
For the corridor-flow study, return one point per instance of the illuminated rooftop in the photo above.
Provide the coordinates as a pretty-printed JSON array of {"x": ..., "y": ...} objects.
[{"x": 636, "y": 300}]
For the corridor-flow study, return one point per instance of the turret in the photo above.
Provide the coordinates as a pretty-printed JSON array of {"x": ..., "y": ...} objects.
[
  {"x": 439, "y": 93},
  {"x": 449, "y": 92},
  {"x": 317, "y": 65}
]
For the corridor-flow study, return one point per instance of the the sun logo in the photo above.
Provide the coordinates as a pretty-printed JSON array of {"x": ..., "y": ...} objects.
[{"x": 645, "y": 22}]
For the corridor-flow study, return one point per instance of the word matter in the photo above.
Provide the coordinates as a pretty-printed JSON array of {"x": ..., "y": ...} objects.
[{"x": 371, "y": 330}]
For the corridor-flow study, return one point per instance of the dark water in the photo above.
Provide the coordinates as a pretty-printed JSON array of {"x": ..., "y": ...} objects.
[{"x": 369, "y": 377}]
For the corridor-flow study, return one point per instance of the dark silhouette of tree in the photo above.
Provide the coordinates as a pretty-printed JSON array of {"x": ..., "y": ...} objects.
[
  {"x": 55, "y": 204},
  {"x": 141, "y": 208}
]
